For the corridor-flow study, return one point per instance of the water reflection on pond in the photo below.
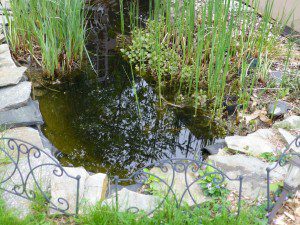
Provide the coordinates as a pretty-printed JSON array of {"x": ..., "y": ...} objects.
[{"x": 97, "y": 125}]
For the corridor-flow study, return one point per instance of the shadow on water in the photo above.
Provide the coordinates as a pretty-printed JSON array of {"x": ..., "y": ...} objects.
[{"x": 93, "y": 119}]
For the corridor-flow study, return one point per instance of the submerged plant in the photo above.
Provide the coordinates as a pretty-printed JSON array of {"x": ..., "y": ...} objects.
[
  {"x": 51, "y": 31},
  {"x": 207, "y": 55}
]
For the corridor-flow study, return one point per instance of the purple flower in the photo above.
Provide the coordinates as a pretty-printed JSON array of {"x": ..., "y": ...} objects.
[{"x": 208, "y": 185}]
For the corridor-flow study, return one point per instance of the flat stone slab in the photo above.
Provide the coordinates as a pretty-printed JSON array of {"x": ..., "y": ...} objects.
[
  {"x": 290, "y": 123},
  {"x": 11, "y": 76},
  {"x": 255, "y": 144},
  {"x": 15, "y": 96},
  {"x": 253, "y": 170},
  {"x": 5, "y": 4},
  {"x": 27, "y": 115}
]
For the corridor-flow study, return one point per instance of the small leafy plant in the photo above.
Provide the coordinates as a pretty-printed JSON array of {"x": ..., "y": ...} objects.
[
  {"x": 211, "y": 182},
  {"x": 269, "y": 156},
  {"x": 152, "y": 183}
]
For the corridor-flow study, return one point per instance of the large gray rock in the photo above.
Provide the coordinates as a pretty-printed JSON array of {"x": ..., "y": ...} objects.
[
  {"x": 28, "y": 115},
  {"x": 255, "y": 144},
  {"x": 131, "y": 200},
  {"x": 290, "y": 123},
  {"x": 15, "y": 96},
  {"x": 11, "y": 76},
  {"x": 215, "y": 148},
  {"x": 278, "y": 108},
  {"x": 253, "y": 170},
  {"x": 181, "y": 182}
]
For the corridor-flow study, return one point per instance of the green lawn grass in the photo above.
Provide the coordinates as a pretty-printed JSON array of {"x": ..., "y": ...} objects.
[{"x": 210, "y": 214}]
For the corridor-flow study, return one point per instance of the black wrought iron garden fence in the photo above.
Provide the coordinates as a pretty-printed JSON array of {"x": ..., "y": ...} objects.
[
  {"x": 191, "y": 171},
  {"x": 21, "y": 173},
  {"x": 21, "y": 164}
]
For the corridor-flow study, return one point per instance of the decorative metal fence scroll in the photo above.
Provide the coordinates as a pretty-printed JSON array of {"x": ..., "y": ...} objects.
[
  {"x": 286, "y": 158},
  {"x": 174, "y": 167},
  {"x": 21, "y": 175}
]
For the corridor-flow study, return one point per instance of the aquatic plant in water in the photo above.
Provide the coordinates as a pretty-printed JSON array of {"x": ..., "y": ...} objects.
[
  {"x": 205, "y": 57},
  {"x": 52, "y": 32}
]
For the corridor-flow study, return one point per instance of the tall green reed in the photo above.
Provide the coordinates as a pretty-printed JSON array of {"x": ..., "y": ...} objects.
[
  {"x": 217, "y": 47},
  {"x": 53, "y": 32},
  {"x": 122, "y": 16}
]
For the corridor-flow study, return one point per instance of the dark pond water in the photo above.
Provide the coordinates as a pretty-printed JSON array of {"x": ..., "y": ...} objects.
[{"x": 96, "y": 122}]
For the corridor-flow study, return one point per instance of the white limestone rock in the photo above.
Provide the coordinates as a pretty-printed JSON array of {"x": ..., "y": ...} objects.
[
  {"x": 255, "y": 144},
  {"x": 65, "y": 187},
  {"x": 95, "y": 189},
  {"x": 253, "y": 170},
  {"x": 290, "y": 123}
]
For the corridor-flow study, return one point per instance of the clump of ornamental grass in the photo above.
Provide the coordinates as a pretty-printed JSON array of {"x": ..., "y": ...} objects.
[
  {"x": 209, "y": 59},
  {"x": 52, "y": 32}
]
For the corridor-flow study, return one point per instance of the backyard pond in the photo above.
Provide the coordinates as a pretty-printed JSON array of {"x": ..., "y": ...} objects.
[
  {"x": 99, "y": 125},
  {"x": 103, "y": 123}
]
